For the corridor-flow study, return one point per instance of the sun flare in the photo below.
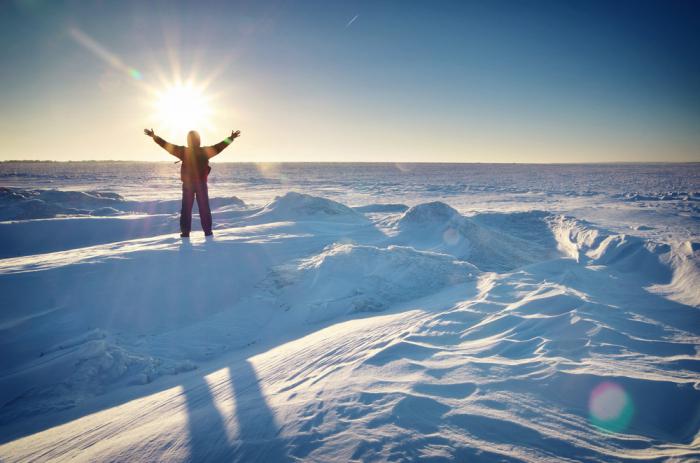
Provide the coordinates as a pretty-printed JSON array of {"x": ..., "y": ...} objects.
[{"x": 183, "y": 107}]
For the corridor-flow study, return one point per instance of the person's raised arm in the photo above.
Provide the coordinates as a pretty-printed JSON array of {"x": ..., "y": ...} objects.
[
  {"x": 175, "y": 150},
  {"x": 219, "y": 147}
]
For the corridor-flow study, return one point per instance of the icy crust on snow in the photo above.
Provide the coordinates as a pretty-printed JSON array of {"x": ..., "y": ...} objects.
[
  {"x": 345, "y": 279},
  {"x": 307, "y": 330},
  {"x": 660, "y": 196},
  {"x": 27, "y": 204}
]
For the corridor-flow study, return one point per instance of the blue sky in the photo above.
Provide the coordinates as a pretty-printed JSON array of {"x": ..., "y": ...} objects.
[{"x": 405, "y": 81}]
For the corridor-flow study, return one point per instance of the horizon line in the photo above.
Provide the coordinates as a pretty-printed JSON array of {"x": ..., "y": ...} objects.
[{"x": 67, "y": 161}]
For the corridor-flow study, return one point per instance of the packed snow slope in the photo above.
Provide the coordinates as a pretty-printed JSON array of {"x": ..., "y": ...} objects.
[{"x": 308, "y": 330}]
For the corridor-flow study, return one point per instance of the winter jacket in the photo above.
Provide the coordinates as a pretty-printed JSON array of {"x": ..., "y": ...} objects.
[{"x": 195, "y": 160}]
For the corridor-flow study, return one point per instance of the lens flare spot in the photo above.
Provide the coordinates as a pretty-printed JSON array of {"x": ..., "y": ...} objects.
[
  {"x": 135, "y": 74},
  {"x": 610, "y": 407}
]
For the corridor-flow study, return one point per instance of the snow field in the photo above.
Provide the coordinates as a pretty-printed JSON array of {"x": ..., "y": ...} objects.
[{"x": 309, "y": 330}]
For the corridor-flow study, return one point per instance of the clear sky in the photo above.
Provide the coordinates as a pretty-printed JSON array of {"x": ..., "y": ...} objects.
[{"x": 424, "y": 81}]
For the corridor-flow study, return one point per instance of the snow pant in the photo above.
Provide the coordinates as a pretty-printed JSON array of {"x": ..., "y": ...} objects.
[{"x": 190, "y": 190}]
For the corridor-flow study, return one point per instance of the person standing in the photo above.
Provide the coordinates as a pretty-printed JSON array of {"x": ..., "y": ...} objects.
[{"x": 194, "y": 172}]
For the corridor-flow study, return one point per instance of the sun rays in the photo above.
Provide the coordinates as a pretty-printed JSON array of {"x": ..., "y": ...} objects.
[
  {"x": 177, "y": 105},
  {"x": 181, "y": 107}
]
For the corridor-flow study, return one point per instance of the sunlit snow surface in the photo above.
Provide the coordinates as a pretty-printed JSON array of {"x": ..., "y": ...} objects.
[{"x": 350, "y": 312}]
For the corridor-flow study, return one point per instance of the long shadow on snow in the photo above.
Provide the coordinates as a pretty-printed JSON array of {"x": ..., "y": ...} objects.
[{"x": 256, "y": 431}]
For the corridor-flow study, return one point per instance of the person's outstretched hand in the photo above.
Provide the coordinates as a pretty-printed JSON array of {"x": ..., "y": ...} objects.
[
  {"x": 150, "y": 132},
  {"x": 235, "y": 134}
]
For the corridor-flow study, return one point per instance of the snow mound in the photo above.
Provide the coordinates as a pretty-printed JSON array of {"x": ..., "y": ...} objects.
[
  {"x": 347, "y": 278},
  {"x": 300, "y": 206},
  {"x": 429, "y": 214},
  {"x": 495, "y": 242}
]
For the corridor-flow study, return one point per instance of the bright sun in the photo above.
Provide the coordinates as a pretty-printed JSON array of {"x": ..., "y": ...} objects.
[{"x": 183, "y": 107}]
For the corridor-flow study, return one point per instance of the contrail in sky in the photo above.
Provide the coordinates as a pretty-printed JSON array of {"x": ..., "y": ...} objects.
[{"x": 352, "y": 21}]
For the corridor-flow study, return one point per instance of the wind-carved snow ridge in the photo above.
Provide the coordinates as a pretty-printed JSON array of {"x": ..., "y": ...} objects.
[
  {"x": 670, "y": 269},
  {"x": 345, "y": 279},
  {"x": 309, "y": 331}
]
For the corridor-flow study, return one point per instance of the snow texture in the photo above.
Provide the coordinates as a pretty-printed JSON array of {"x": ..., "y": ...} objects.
[{"x": 477, "y": 319}]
